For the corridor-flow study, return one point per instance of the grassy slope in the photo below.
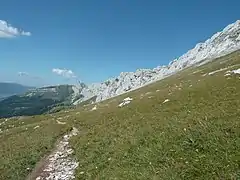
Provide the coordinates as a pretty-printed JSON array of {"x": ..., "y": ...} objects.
[
  {"x": 22, "y": 145},
  {"x": 196, "y": 135}
]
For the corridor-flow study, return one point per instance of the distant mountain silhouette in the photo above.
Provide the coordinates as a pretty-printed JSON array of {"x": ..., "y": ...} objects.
[{"x": 10, "y": 89}]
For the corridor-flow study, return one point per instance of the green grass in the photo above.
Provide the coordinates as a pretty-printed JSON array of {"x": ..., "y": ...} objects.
[
  {"x": 22, "y": 146},
  {"x": 196, "y": 135}
]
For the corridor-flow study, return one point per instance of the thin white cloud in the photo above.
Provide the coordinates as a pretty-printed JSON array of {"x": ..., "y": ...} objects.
[
  {"x": 27, "y": 75},
  {"x": 64, "y": 72},
  {"x": 8, "y": 31},
  {"x": 23, "y": 74}
]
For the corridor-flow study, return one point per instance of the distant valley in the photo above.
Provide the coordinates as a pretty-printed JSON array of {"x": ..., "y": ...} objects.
[{"x": 38, "y": 101}]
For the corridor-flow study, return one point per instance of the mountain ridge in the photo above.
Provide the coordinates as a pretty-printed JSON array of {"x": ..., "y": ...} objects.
[
  {"x": 220, "y": 44},
  {"x": 9, "y": 89},
  {"x": 38, "y": 101}
]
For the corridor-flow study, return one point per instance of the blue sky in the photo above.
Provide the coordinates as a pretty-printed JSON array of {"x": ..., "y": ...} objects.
[{"x": 99, "y": 39}]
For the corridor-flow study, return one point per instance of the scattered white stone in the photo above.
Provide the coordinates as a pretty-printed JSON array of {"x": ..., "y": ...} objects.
[
  {"x": 223, "y": 69},
  {"x": 190, "y": 85},
  {"x": 61, "y": 165},
  {"x": 157, "y": 90},
  {"x": 60, "y": 118},
  {"x": 150, "y": 97},
  {"x": 148, "y": 93},
  {"x": 94, "y": 108},
  {"x": 166, "y": 100},
  {"x": 36, "y": 127},
  {"x": 125, "y": 101},
  {"x": 128, "y": 99},
  {"x": 236, "y": 71},
  {"x": 82, "y": 173},
  {"x": 77, "y": 113},
  {"x": 228, "y": 74},
  {"x": 38, "y": 178},
  {"x": 62, "y": 123}
]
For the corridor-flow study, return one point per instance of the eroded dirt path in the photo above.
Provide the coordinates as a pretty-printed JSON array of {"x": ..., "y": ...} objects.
[{"x": 59, "y": 165}]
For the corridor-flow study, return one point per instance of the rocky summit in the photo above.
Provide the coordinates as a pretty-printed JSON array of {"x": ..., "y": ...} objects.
[{"x": 221, "y": 43}]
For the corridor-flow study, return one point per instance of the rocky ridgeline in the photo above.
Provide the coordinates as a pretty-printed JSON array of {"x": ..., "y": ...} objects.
[{"x": 221, "y": 43}]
